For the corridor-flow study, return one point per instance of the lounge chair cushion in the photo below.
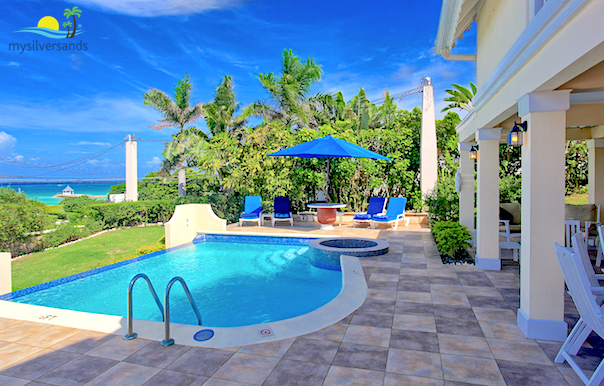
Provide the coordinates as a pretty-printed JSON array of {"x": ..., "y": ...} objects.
[
  {"x": 250, "y": 215},
  {"x": 362, "y": 216},
  {"x": 383, "y": 217},
  {"x": 282, "y": 215},
  {"x": 514, "y": 209},
  {"x": 580, "y": 212}
]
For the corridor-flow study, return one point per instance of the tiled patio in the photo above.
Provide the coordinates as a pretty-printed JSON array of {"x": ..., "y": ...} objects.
[{"x": 422, "y": 324}]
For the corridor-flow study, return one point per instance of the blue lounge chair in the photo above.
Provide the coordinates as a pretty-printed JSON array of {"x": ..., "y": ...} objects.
[
  {"x": 394, "y": 213},
  {"x": 251, "y": 210},
  {"x": 376, "y": 206},
  {"x": 282, "y": 211}
]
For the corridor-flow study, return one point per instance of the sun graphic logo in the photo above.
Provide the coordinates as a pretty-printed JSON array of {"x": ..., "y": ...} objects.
[{"x": 49, "y": 26}]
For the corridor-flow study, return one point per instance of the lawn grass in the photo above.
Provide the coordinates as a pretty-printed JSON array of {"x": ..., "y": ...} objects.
[
  {"x": 105, "y": 249},
  {"x": 576, "y": 199}
]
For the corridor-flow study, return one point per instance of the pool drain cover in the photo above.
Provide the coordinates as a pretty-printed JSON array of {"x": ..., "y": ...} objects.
[{"x": 203, "y": 335}]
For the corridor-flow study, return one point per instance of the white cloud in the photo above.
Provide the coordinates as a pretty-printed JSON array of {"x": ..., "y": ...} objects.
[
  {"x": 35, "y": 159},
  {"x": 99, "y": 162},
  {"x": 155, "y": 161},
  {"x": 19, "y": 158},
  {"x": 151, "y": 8},
  {"x": 6, "y": 140},
  {"x": 84, "y": 143},
  {"x": 13, "y": 64}
]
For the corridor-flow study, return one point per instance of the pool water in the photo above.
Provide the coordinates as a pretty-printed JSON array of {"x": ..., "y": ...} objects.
[{"x": 233, "y": 283}]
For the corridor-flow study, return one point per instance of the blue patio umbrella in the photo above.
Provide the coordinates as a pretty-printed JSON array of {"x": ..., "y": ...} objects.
[{"x": 328, "y": 147}]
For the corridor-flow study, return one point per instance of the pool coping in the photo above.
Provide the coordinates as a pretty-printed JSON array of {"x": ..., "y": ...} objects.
[{"x": 353, "y": 294}]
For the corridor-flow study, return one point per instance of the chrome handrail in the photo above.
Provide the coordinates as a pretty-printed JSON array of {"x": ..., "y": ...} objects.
[
  {"x": 131, "y": 334},
  {"x": 167, "y": 341}
]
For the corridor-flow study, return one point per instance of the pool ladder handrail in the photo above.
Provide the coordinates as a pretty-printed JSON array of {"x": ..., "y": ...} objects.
[
  {"x": 167, "y": 341},
  {"x": 131, "y": 334}
]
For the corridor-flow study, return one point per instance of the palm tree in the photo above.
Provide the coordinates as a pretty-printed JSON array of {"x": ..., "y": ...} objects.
[
  {"x": 73, "y": 13},
  {"x": 67, "y": 24},
  {"x": 288, "y": 91},
  {"x": 184, "y": 149},
  {"x": 220, "y": 113},
  {"x": 178, "y": 113},
  {"x": 461, "y": 98}
]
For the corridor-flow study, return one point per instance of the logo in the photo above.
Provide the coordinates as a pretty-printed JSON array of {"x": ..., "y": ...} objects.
[{"x": 49, "y": 26}]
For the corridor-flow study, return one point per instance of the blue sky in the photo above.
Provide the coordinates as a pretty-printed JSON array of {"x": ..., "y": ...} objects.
[{"x": 59, "y": 106}]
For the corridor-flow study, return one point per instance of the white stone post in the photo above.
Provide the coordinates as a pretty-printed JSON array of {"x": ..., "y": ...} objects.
[
  {"x": 595, "y": 148},
  {"x": 428, "y": 169},
  {"x": 182, "y": 182},
  {"x": 466, "y": 194},
  {"x": 6, "y": 285},
  {"x": 541, "y": 313},
  {"x": 487, "y": 200},
  {"x": 131, "y": 170}
]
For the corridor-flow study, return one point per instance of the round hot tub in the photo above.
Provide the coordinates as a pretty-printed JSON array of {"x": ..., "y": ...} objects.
[{"x": 325, "y": 253}]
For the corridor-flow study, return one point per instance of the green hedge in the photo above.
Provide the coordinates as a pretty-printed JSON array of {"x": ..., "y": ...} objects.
[
  {"x": 451, "y": 237},
  {"x": 114, "y": 215}
]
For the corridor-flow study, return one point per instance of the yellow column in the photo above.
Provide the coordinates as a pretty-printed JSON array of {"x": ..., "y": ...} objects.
[
  {"x": 487, "y": 199},
  {"x": 541, "y": 313},
  {"x": 595, "y": 148},
  {"x": 466, "y": 192}
]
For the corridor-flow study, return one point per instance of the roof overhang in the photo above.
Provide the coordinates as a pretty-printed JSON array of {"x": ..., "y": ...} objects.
[{"x": 456, "y": 17}]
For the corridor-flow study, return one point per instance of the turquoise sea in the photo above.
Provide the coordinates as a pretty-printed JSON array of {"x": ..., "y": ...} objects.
[{"x": 43, "y": 192}]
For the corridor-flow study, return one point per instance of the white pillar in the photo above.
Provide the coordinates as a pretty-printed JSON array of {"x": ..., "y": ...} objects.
[
  {"x": 5, "y": 273},
  {"x": 466, "y": 193},
  {"x": 595, "y": 148},
  {"x": 182, "y": 182},
  {"x": 428, "y": 169},
  {"x": 131, "y": 170},
  {"x": 541, "y": 313},
  {"x": 487, "y": 200}
]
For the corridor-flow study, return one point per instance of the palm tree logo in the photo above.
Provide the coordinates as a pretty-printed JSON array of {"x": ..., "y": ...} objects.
[
  {"x": 67, "y": 24},
  {"x": 75, "y": 11}
]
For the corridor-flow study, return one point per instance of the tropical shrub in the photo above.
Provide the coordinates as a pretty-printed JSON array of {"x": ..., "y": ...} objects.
[
  {"x": 452, "y": 239},
  {"x": 114, "y": 215},
  {"x": 443, "y": 201}
]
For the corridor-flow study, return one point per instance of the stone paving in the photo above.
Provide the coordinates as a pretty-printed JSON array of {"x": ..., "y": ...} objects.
[{"x": 423, "y": 324}]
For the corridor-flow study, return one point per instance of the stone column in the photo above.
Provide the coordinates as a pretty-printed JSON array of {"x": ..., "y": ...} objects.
[
  {"x": 487, "y": 202},
  {"x": 541, "y": 313},
  {"x": 131, "y": 171},
  {"x": 428, "y": 169},
  {"x": 595, "y": 148},
  {"x": 466, "y": 194}
]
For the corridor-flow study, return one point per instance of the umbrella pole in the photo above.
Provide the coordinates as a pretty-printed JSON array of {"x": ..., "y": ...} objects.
[{"x": 328, "y": 159}]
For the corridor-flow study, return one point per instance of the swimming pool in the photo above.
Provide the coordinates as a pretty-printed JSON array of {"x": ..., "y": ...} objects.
[{"x": 235, "y": 281}]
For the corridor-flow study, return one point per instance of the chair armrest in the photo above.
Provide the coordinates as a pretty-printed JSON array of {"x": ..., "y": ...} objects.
[
  {"x": 600, "y": 276},
  {"x": 400, "y": 216},
  {"x": 597, "y": 290},
  {"x": 506, "y": 222}
]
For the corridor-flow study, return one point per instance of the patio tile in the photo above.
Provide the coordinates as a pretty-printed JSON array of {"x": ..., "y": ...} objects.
[
  {"x": 200, "y": 361},
  {"x": 311, "y": 350},
  {"x": 14, "y": 352},
  {"x": 475, "y": 370},
  {"x": 10, "y": 381},
  {"x": 423, "y": 323},
  {"x": 16, "y": 332},
  {"x": 529, "y": 374},
  {"x": 4, "y": 322},
  {"x": 335, "y": 332},
  {"x": 519, "y": 351},
  {"x": 361, "y": 356},
  {"x": 48, "y": 336},
  {"x": 414, "y": 278},
  {"x": 407, "y": 380},
  {"x": 414, "y": 297},
  {"x": 501, "y": 330},
  {"x": 82, "y": 342},
  {"x": 444, "y": 280},
  {"x": 384, "y": 295},
  {"x": 223, "y": 382},
  {"x": 494, "y": 315},
  {"x": 384, "y": 277},
  {"x": 478, "y": 279},
  {"x": 118, "y": 348},
  {"x": 271, "y": 349},
  {"x": 488, "y": 302},
  {"x": 247, "y": 368},
  {"x": 155, "y": 355},
  {"x": 393, "y": 269},
  {"x": 482, "y": 291},
  {"x": 174, "y": 378},
  {"x": 391, "y": 258},
  {"x": 373, "y": 319},
  {"x": 38, "y": 364},
  {"x": 413, "y": 286},
  {"x": 80, "y": 370},
  {"x": 472, "y": 346},
  {"x": 412, "y": 266},
  {"x": 371, "y": 336},
  {"x": 295, "y": 373},
  {"x": 388, "y": 264},
  {"x": 383, "y": 285},
  {"x": 345, "y": 376},
  {"x": 454, "y": 312},
  {"x": 125, "y": 374},
  {"x": 458, "y": 327},
  {"x": 347, "y": 319},
  {"x": 413, "y": 308},
  {"x": 377, "y": 306},
  {"x": 414, "y": 340},
  {"x": 453, "y": 299},
  {"x": 570, "y": 376},
  {"x": 416, "y": 363}
]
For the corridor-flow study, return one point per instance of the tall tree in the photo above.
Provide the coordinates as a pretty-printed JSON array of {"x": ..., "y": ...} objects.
[
  {"x": 183, "y": 151},
  {"x": 461, "y": 97},
  {"x": 75, "y": 11},
  {"x": 176, "y": 112},
  {"x": 67, "y": 24},
  {"x": 220, "y": 114}
]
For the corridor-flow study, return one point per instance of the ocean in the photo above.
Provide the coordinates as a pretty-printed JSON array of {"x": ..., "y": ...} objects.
[{"x": 43, "y": 192}]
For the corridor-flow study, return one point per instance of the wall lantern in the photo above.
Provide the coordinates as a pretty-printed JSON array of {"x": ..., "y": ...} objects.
[
  {"x": 474, "y": 152},
  {"x": 515, "y": 138}
]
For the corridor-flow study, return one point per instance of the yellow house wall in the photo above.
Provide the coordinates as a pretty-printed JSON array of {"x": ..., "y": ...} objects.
[
  {"x": 499, "y": 25},
  {"x": 187, "y": 220}
]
